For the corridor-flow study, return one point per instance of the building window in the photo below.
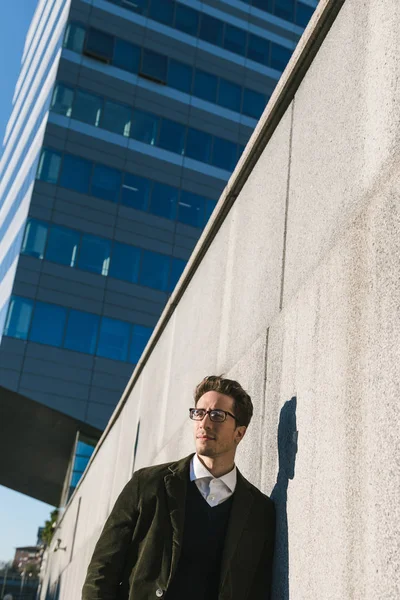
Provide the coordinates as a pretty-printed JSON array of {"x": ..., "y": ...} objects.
[
  {"x": 87, "y": 108},
  {"x": 205, "y": 86},
  {"x": 198, "y": 145},
  {"x": 62, "y": 246},
  {"x": 235, "y": 40},
  {"x": 180, "y": 76},
  {"x": 210, "y": 205},
  {"x": 284, "y": 9},
  {"x": 162, "y": 11},
  {"x": 49, "y": 166},
  {"x": 303, "y": 14},
  {"x": 113, "y": 339},
  {"x": 137, "y": 6},
  {"x": 211, "y": 30},
  {"x": 35, "y": 237},
  {"x": 74, "y": 37},
  {"x": 145, "y": 127},
  {"x": 81, "y": 333},
  {"x": 163, "y": 200},
  {"x": 177, "y": 268},
  {"x": 253, "y": 103},
  {"x": 62, "y": 100},
  {"x": 19, "y": 318},
  {"x": 154, "y": 270},
  {"x": 172, "y": 136},
  {"x": 186, "y": 19},
  {"x": 266, "y": 5},
  {"x": 126, "y": 56},
  {"x": 106, "y": 183},
  {"x": 94, "y": 254},
  {"x": 280, "y": 57},
  {"x": 75, "y": 173},
  {"x": 191, "y": 209},
  {"x": 258, "y": 49},
  {"x": 224, "y": 154},
  {"x": 99, "y": 45},
  {"x": 135, "y": 191},
  {"x": 140, "y": 337},
  {"x": 229, "y": 95},
  {"x": 48, "y": 324},
  {"x": 116, "y": 118},
  {"x": 154, "y": 66},
  {"x": 125, "y": 262}
]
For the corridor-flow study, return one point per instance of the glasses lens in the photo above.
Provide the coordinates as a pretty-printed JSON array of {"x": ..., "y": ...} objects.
[
  {"x": 217, "y": 415},
  {"x": 197, "y": 414}
]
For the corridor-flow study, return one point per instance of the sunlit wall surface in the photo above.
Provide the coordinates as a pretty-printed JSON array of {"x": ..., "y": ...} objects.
[{"x": 128, "y": 119}]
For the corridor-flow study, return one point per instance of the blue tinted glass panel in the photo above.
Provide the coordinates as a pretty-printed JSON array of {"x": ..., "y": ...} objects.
[
  {"x": 84, "y": 449},
  {"x": 106, "y": 183},
  {"x": 48, "y": 324},
  {"x": 172, "y": 136},
  {"x": 162, "y": 11},
  {"x": 49, "y": 166},
  {"x": 99, "y": 44},
  {"x": 224, "y": 154},
  {"x": 135, "y": 191},
  {"x": 80, "y": 463},
  {"x": 205, "y": 86},
  {"x": 74, "y": 37},
  {"x": 154, "y": 270},
  {"x": 198, "y": 145},
  {"x": 113, "y": 339},
  {"x": 240, "y": 150},
  {"x": 94, "y": 254},
  {"x": 186, "y": 19},
  {"x": 180, "y": 76},
  {"x": 177, "y": 267},
  {"x": 211, "y": 30},
  {"x": 76, "y": 475},
  {"x": 229, "y": 95},
  {"x": 163, "y": 200},
  {"x": 145, "y": 127},
  {"x": 235, "y": 40},
  {"x": 191, "y": 209},
  {"x": 81, "y": 334},
  {"x": 87, "y": 108},
  {"x": 253, "y": 103},
  {"x": 62, "y": 101},
  {"x": 258, "y": 49},
  {"x": 303, "y": 14},
  {"x": 75, "y": 173},
  {"x": 154, "y": 65},
  {"x": 137, "y": 6},
  {"x": 19, "y": 318},
  {"x": 210, "y": 205},
  {"x": 266, "y": 5},
  {"x": 116, "y": 118},
  {"x": 62, "y": 246},
  {"x": 140, "y": 337},
  {"x": 284, "y": 9},
  {"x": 125, "y": 262},
  {"x": 280, "y": 57},
  {"x": 126, "y": 56},
  {"x": 35, "y": 237}
]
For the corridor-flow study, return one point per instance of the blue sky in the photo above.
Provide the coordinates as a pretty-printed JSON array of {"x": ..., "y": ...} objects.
[{"x": 20, "y": 516}]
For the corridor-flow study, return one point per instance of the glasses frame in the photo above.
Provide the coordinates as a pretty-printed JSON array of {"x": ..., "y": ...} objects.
[{"x": 208, "y": 412}]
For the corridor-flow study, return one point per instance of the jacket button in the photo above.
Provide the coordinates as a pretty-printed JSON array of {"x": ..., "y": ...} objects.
[{"x": 159, "y": 593}]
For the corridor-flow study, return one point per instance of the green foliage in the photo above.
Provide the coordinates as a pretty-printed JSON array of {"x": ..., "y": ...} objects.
[{"x": 49, "y": 527}]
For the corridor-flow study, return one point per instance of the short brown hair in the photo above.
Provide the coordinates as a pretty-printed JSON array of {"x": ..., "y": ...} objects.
[{"x": 243, "y": 405}]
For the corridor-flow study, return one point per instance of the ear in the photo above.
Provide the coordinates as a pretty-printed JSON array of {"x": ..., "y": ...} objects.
[{"x": 239, "y": 433}]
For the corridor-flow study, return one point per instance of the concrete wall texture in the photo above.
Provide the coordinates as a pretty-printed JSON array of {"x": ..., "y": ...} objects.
[{"x": 297, "y": 297}]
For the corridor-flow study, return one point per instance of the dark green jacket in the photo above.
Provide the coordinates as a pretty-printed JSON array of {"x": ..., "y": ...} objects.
[{"x": 138, "y": 550}]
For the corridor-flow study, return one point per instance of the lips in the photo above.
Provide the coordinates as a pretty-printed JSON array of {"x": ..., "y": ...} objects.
[{"x": 204, "y": 437}]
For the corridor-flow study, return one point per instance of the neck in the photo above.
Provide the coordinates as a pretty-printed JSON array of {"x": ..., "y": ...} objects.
[{"x": 218, "y": 465}]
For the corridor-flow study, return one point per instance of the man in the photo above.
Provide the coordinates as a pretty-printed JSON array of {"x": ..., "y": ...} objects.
[{"x": 195, "y": 529}]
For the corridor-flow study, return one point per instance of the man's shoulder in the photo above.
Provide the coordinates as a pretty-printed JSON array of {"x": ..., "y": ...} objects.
[
  {"x": 259, "y": 496},
  {"x": 159, "y": 471}
]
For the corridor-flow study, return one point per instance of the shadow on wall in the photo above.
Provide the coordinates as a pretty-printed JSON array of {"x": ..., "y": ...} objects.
[{"x": 287, "y": 450}]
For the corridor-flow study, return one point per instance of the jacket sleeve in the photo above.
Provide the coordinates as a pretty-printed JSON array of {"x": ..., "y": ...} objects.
[
  {"x": 105, "y": 570},
  {"x": 262, "y": 582}
]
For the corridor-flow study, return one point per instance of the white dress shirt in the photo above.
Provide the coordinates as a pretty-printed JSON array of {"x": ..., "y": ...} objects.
[{"x": 213, "y": 489}]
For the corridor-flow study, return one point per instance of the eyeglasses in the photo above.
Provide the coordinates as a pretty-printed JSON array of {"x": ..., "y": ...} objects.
[{"x": 217, "y": 415}]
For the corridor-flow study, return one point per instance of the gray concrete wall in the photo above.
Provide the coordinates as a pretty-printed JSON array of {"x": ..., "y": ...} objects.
[{"x": 298, "y": 295}]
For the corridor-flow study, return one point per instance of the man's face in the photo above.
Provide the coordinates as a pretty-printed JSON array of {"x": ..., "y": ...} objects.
[{"x": 217, "y": 439}]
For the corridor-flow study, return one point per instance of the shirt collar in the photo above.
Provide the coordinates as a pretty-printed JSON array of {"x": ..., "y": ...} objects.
[{"x": 198, "y": 471}]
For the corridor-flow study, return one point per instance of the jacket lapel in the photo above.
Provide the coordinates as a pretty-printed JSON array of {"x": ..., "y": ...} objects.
[
  {"x": 176, "y": 485},
  {"x": 241, "y": 510}
]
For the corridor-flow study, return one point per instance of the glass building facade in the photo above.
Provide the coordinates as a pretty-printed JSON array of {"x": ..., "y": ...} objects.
[{"x": 128, "y": 118}]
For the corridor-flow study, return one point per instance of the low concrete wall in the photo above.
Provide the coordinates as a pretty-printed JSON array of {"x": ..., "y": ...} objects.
[{"x": 297, "y": 297}]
